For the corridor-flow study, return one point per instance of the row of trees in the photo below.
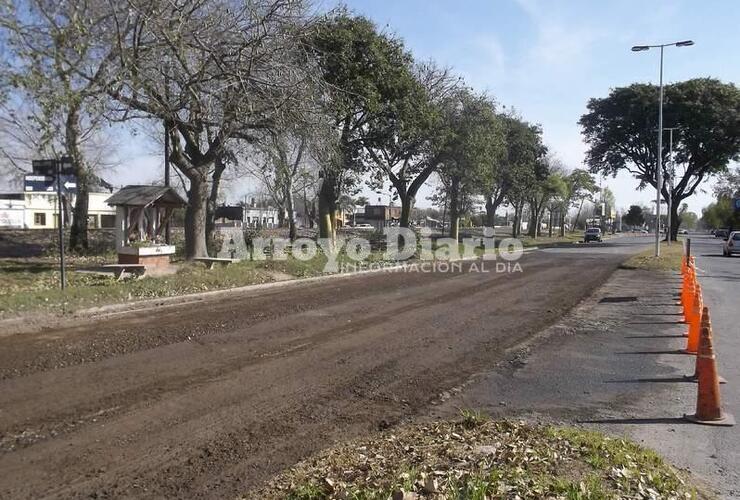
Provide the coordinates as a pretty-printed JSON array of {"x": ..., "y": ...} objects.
[{"x": 267, "y": 87}]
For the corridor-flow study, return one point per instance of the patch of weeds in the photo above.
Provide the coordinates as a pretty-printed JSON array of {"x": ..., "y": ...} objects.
[
  {"x": 472, "y": 418},
  {"x": 669, "y": 260},
  {"x": 476, "y": 458}
]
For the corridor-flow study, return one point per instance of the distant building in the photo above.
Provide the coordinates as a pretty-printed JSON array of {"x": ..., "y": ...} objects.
[
  {"x": 37, "y": 206},
  {"x": 40, "y": 210},
  {"x": 379, "y": 216},
  {"x": 252, "y": 215}
]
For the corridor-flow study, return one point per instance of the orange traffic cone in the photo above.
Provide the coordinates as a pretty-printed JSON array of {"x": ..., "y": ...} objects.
[
  {"x": 708, "y": 406},
  {"x": 705, "y": 323},
  {"x": 686, "y": 299},
  {"x": 692, "y": 341}
]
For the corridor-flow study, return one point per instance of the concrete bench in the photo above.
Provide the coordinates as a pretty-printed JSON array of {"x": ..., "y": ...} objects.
[
  {"x": 137, "y": 270},
  {"x": 211, "y": 262}
]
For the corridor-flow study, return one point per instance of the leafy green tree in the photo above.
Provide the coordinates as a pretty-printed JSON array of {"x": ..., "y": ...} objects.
[
  {"x": 728, "y": 183},
  {"x": 634, "y": 216},
  {"x": 621, "y": 133},
  {"x": 720, "y": 214},
  {"x": 369, "y": 81},
  {"x": 404, "y": 144},
  {"x": 471, "y": 145},
  {"x": 558, "y": 191},
  {"x": 548, "y": 185},
  {"x": 526, "y": 169},
  {"x": 580, "y": 186},
  {"x": 518, "y": 150},
  {"x": 689, "y": 220}
]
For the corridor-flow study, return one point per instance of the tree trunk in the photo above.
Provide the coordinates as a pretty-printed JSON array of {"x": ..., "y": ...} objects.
[
  {"x": 534, "y": 213},
  {"x": 517, "y": 220},
  {"x": 562, "y": 222},
  {"x": 455, "y": 209},
  {"x": 549, "y": 224},
  {"x": 406, "y": 202},
  {"x": 195, "y": 216},
  {"x": 78, "y": 231},
  {"x": 578, "y": 216},
  {"x": 292, "y": 231},
  {"x": 675, "y": 221},
  {"x": 327, "y": 207},
  {"x": 490, "y": 212},
  {"x": 218, "y": 171}
]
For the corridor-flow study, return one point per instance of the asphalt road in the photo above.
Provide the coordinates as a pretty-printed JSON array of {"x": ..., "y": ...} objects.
[
  {"x": 209, "y": 399},
  {"x": 613, "y": 364}
]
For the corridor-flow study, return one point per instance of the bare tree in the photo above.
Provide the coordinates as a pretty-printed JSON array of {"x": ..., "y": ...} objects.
[
  {"x": 214, "y": 71},
  {"x": 283, "y": 166},
  {"x": 404, "y": 147},
  {"x": 49, "y": 44}
]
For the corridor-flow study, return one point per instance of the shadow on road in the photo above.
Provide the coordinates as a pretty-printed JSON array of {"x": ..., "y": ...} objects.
[
  {"x": 638, "y": 421},
  {"x": 680, "y": 336},
  {"x": 655, "y": 323},
  {"x": 658, "y": 314},
  {"x": 656, "y": 380},
  {"x": 657, "y": 353}
]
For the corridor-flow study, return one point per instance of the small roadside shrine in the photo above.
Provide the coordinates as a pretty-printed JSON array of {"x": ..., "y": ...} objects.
[{"x": 142, "y": 213}]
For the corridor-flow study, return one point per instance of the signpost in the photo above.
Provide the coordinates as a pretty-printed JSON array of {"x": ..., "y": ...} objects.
[{"x": 49, "y": 175}]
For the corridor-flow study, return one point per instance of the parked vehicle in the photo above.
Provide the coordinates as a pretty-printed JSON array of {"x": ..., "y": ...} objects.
[
  {"x": 721, "y": 233},
  {"x": 732, "y": 244},
  {"x": 364, "y": 227},
  {"x": 683, "y": 231},
  {"x": 592, "y": 234}
]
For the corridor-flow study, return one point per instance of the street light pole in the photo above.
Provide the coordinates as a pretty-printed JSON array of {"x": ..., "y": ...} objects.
[{"x": 659, "y": 169}]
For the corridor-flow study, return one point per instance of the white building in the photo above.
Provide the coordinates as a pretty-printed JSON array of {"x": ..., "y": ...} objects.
[
  {"x": 40, "y": 210},
  {"x": 260, "y": 217}
]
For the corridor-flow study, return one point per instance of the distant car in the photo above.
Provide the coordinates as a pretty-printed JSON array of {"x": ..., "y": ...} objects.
[
  {"x": 683, "y": 231},
  {"x": 644, "y": 231},
  {"x": 364, "y": 227},
  {"x": 721, "y": 233},
  {"x": 592, "y": 234},
  {"x": 732, "y": 245}
]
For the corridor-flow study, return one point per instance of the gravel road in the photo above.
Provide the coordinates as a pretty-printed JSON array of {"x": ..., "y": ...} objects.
[{"x": 207, "y": 400}]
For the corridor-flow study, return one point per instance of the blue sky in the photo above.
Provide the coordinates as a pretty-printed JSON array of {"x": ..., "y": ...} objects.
[{"x": 547, "y": 58}]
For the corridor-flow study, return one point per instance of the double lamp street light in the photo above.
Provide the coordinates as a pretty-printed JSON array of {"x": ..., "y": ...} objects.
[{"x": 659, "y": 169}]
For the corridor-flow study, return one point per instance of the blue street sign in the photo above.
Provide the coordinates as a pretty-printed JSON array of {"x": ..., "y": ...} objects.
[
  {"x": 736, "y": 204},
  {"x": 47, "y": 183}
]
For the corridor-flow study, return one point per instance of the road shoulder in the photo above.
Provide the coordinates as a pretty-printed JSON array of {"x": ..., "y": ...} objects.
[{"x": 611, "y": 365}]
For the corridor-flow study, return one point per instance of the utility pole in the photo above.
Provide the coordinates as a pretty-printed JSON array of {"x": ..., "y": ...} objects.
[
  {"x": 167, "y": 230},
  {"x": 62, "y": 272},
  {"x": 167, "y": 233},
  {"x": 659, "y": 169}
]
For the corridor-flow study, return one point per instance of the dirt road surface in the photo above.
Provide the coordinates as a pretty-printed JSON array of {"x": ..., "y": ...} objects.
[{"x": 207, "y": 400}]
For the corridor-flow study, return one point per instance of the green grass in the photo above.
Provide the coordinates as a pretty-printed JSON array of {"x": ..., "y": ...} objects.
[
  {"x": 30, "y": 286},
  {"x": 669, "y": 260},
  {"x": 477, "y": 458}
]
